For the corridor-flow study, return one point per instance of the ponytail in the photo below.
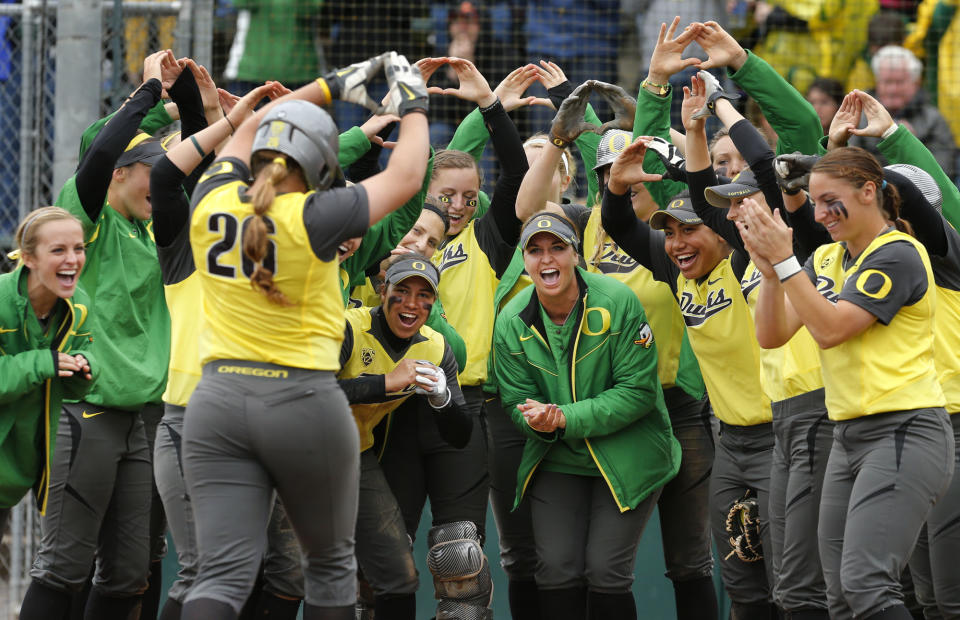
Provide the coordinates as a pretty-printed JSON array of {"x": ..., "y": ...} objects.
[{"x": 255, "y": 241}]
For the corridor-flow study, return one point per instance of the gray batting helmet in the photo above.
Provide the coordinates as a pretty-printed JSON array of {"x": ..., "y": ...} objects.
[
  {"x": 923, "y": 181},
  {"x": 306, "y": 133},
  {"x": 612, "y": 143}
]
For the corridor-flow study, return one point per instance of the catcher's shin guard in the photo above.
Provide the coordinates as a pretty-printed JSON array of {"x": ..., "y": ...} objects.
[
  {"x": 743, "y": 525},
  {"x": 461, "y": 575}
]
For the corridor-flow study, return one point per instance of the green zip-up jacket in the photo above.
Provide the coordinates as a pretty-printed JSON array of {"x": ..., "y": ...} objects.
[
  {"x": 30, "y": 390},
  {"x": 615, "y": 402},
  {"x": 791, "y": 116}
]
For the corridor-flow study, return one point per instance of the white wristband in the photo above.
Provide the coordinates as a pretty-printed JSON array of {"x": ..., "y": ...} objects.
[
  {"x": 445, "y": 402},
  {"x": 889, "y": 131},
  {"x": 788, "y": 268}
]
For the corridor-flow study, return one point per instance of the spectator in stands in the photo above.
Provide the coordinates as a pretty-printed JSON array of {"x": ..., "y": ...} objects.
[
  {"x": 885, "y": 28},
  {"x": 898, "y": 74},
  {"x": 581, "y": 37},
  {"x": 274, "y": 41},
  {"x": 825, "y": 95},
  {"x": 810, "y": 39}
]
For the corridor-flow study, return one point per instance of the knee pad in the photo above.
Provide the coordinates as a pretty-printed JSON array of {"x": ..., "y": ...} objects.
[{"x": 461, "y": 573}]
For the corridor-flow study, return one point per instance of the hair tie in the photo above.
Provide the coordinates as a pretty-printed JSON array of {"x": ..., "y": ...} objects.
[
  {"x": 280, "y": 161},
  {"x": 883, "y": 185}
]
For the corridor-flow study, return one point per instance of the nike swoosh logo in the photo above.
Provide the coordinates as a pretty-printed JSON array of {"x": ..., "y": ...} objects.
[
  {"x": 7, "y": 331},
  {"x": 345, "y": 71},
  {"x": 91, "y": 415},
  {"x": 407, "y": 90},
  {"x": 712, "y": 282},
  {"x": 525, "y": 338}
]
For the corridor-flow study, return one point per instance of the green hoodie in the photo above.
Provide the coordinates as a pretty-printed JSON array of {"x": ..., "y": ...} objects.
[
  {"x": 614, "y": 402},
  {"x": 30, "y": 390}
]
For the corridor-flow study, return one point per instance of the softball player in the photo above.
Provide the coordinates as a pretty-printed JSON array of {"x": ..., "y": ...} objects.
[
  {"x": 602, "y": 431},
  {"x": 933, "y": 566},
  {"x": 45, "y": 333},
  {"x": 267, "y": 413},
  {"x": 868, "y": 301},
  {"x": 170, "y": 186},
  {"x": 388, "y": 355},
  {"x": 683, "y": 504},
  {"x": 102, "y": 477},
  {"x": 705, "y": 276},
  {"x": 791, "y": 374}
]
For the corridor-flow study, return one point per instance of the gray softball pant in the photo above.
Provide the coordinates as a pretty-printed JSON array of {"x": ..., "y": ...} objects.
[
  {"x": 803, "y": 435},
  {"x": 683, "y": 504},
  {"x": 582, "y": 537},
  {"x": 744, "y": 455},
  {"x": 934, "y": 564},
  {"x": 247, "y": 434},
  {"x": 282, "y": 573},
  {"x": 99, "y": 503},
  {"x": 884, "y": 474}
]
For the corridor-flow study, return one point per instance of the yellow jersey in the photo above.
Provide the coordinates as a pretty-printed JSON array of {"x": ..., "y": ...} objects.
[
  {"x": 367, "y": 352},
  {"x": 794, "y": 368},
  {"x": 468, "y": 282},
  {"x": 304, "y": 230},
  {"x": 890, "y": 365},
  {"x": 722, "y": 333}
]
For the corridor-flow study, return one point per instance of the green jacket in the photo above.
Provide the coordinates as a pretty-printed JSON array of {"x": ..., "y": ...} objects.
[
  {"x": 791, "y": 116},
  {"x": 616, "y": 404},
  {"x": 30, "y": 390}
]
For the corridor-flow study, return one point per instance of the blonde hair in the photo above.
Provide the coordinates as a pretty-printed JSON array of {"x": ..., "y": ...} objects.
[
  {"x": 567, "y": 165},
  {"x": 273, "y": 170},
  {"x": 28, "y": 232}
]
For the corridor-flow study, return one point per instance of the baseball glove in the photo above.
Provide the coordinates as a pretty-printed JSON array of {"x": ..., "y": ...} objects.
[{"x": 743, "y": 525}]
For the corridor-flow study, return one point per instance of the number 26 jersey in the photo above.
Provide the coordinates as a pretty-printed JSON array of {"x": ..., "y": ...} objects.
[{"x": 304, "y": 230}]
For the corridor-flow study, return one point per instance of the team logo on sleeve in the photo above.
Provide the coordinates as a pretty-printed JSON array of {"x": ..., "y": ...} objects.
[
  {"x": 366, "y": 356},
  {"x": 644, "y": 336}
]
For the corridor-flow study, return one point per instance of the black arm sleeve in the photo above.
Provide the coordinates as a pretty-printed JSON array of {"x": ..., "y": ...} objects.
[
  {"x": 96, "y": 168},
  {"x": 559, "y": 92},
  {"x": 186, "y": 94},
  {"x": 453, "y": 421},
  {"x": 923, "y": 216},
  {"x": 808, "y": 234},
  {"x": 364, "y": 389},
  {"x": 759, "y": 157},
  {"x": 636, "y": 238},
  {"x": 513, "y": 166},
  {"x": 713, "y": 217},
  {"x": 369, "y": 164},
  {"x": 171, "y": 208}
]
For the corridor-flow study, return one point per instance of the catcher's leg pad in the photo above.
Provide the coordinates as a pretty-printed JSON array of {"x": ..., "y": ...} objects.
[
  {"x": 461, "y": 573},
  {"x": 743, "y": 525}
]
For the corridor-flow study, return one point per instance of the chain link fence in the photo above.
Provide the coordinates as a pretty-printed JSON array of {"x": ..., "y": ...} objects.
[{"x": 28, "y": 64}]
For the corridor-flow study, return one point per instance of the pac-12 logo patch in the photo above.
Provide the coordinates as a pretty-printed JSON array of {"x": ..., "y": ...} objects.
[
  {"x": 644, "y": 336},
  {"x": 366, "y": 356}
]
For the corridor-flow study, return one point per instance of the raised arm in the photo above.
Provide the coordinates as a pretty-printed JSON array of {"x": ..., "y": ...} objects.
[
  {"x": 700, "y": 173},
  {"x": 791, "y": 116},
  {"x": 654, "y": 99},
  {"x": 95, "y": 171}
]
